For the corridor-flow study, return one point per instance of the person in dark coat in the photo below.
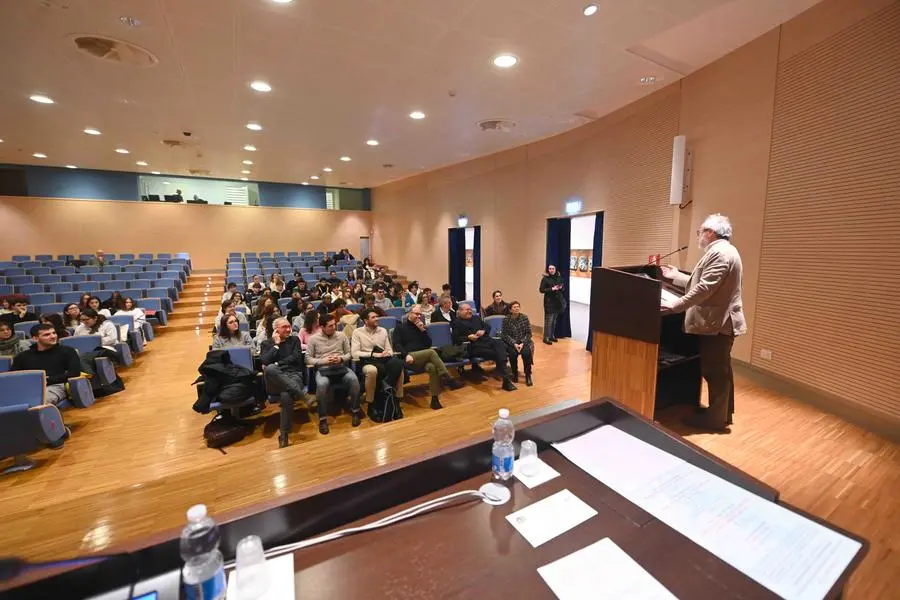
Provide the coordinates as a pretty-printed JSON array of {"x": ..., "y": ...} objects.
[
  {"x": 283, "y": 369},
  {"x": 468, "y": 327},
  {"x": 554, "y": 302}
]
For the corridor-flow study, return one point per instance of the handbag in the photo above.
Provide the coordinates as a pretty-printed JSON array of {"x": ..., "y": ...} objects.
[{"x": 333, "y": 370}]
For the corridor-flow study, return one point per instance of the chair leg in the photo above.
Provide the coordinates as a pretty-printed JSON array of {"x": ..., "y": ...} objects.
[{"x": 20, "y": 463}]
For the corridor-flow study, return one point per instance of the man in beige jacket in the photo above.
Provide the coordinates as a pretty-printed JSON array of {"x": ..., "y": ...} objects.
[{"x": 714, "y": 312}]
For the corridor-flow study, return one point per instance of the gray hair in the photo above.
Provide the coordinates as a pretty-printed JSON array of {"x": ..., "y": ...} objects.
[
  {"x": 718, "y": 224},
  {"x": 277, "y": 322}
]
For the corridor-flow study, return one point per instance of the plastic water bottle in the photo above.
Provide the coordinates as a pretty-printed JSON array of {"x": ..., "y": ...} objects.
[
  {"x": 203, "y": 574},
  {"x": 503, "y": 452}
]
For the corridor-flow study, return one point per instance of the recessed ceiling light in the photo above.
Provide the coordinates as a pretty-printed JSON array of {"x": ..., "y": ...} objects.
[
  {"x": 244, "y": 179},
  {"x": 314, "y": 177},
  {"x": 328, "y": 169},
  {"x": 130, "y": 21},
  {"x": 590, "y": 9},
  {"x": 41, "y": 99},
  {"x": 345, "y": 158},
  {"x": 505, "y": 61},
  {"x": 141, "y": 163},
  {"x": 71, "y": 167},
  {"x": 247, "y": 162},
  {"x": 165, "y": 183},
  {"x": 250, "y": 148},
  {"x": 261, "y": 86},
  {"x": 304, "y": 183},
  {"x": 39, "y": 155},
  {"x": 92, "y": 131},
  {"x": 121, "y": 150},
  {"x": 648, "y": 80},
  {"x": 245, "y": 172},
  {"x": 154, "y": 172},
  {"x": 254, "y": 126},
  {"x": 1, "y": 141},
  {"x": 282, "y": 1},
  {"x": 371, "y": 142},
  {"x": 417, "y": 115}
]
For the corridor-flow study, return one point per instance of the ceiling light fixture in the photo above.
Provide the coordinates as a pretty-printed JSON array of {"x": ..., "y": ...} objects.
[
  {"x": 304, "y": 183},
  {"x": 92, "y": 131},
  {"x": 417, "y": 115},
  {"x": 260, "y": 86},
  {"x": 244, "y": 179},
  {"x": 130, "y": 21},
  {"x": 282, "y": 1},
  {"x": 141, "y": 163},
  {"x": 247, "y": 162},
  {"x": 314, "y": 177},
  {"x": 245, "y": 172},
  {"x": 41, "y": 99},
  {"x": 39, "y": 155},
  {"x": 345, "y": 159},
  {"x": 254, "y": 126},
  {"x": 250, "y": 148},
  {"x": 648, "y": 80},
  {"x": 165, "y": 183},
  {"x": 121, "y": 151},
  {"x": 154, "y": 172},
  {"x": 71, "y": 167},
  {"x": 371, "y": 142},
  {"x": 505, "y": 61},
  {"x": 327, "y": 169},
  {"x": 590, "y": 9}
]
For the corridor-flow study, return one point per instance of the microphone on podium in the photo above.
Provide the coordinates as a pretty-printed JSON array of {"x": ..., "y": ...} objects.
[{"x": 656, "y": 259}]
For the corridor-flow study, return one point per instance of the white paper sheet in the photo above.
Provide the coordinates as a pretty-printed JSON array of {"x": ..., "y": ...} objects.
[
  {"x": 602, "y": 571},
  {"x": 787, "y": 553},
  {"x": 544, "y": 520},
  {"x": 543, "y": 473},
  {"x": 281, "y": 578},
  {"x": 668, "y": 296}
]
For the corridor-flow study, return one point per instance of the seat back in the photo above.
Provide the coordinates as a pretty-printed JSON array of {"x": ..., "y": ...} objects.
[
  {"x": 6, "y": 289},
  {"x": 82, "y": 343},
  {"x": 124, "y": 276},
  {"x": 388, "y": 322},
  {"x": 395, "y": 311},
  {"x": 241, "y": 356},
  {"x": 69, "y": 297},
  {"x": 49, "y": 278},
  {"x": 282, "y": 304},
  {"x": 89, "y": 269},
  {"x": 38, "y": 270},
  {"x": 42, "y": 298},
  {"x": 58, "y": 288},
  {"x": 74, "y": 277},
  {"x": 43, "y": 257},
  {"x": 440, "y": 334},
  {"x": 126, "y": 320},
  {"x": 19, "y": 388},
  {"x": 64, "y": 270},
  {"x": 29, "y": 288},
  {"x": 52, "y": 307},
  {"x": 100, "y": 277},
  {"x": 5, "y": 364},
  {"x": 20, "y": 279},
  {"x": 495, "y": 322},
  {"x": 25, "y": 327}
]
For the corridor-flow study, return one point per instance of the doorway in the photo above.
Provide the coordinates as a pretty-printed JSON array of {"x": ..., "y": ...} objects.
[
  {"x": 364, "y": 248},
  {"x": 464, "y": 263}
]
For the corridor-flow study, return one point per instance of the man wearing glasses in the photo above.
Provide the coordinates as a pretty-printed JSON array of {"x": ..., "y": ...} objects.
[{"x": 714, "y": 312}]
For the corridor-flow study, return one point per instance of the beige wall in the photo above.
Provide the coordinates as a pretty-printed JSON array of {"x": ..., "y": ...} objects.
[
  {"x": 619, "y": 164},
  {"x": 62, "y": 226}
]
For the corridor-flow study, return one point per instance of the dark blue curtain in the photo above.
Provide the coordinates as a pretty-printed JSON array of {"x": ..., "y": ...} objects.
[
  {"x": 559, "y": 248},
  {"x": 476, "y": 268},
  {"x": 456, "y": 262},
  {"x": 596, "y": 261}
]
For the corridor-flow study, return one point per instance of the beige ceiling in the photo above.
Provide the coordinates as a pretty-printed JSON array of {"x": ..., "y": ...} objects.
[{"x": 343, "y": 71}]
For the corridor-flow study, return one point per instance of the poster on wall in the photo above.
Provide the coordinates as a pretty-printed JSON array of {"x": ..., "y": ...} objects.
[
  {"x": 580, "y": 263},
  {"x": 470, "y": 258}
]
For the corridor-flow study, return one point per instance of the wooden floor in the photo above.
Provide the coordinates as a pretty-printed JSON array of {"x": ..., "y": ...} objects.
[{"x": 137, "y": 460}]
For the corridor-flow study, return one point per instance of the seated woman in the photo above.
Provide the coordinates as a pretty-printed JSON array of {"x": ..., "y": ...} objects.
[
  {"x": 516, "y": 334},
  {"x": 264, "y": 329},
  {"x": 274, "y": 280},
  {"x": 395, "y": 294},
  {"x": 56, "y": 320},
  {"x": 358, "y": 292},
  {"x": 238, "y": 300},
  {"x": 95, "y": 304},
  {"x": 85, "y": 301},
  {"x": 94, "y": 323},
  {"x": 229, "y": 309},
  {"x": 71, "y": 314},
  {"x": 424, "y": 304},
  {"x": 10, "y": 344},
  {"x": 412, "y": 294},
  {"x": 131, "y": 309},
  {"x": 309, "y": 329},
  {"x": 113, "y": 304},
  {"x": 229, "y": 334}
]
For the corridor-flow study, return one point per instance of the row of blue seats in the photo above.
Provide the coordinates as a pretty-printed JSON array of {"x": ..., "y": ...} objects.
[
  {"x": 108, "y": 255},
  {"x": 81, "y": 278},
  {"x": 123, "y": 262},
  {"x": 280, "y": 253},
  {"x": 111, "y": 270},
  {"x": 32, "y": 289},
  {"x": 158, "y": 302}
]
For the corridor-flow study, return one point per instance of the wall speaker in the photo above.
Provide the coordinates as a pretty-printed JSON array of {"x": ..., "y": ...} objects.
[{"x": 680, "y": 186}]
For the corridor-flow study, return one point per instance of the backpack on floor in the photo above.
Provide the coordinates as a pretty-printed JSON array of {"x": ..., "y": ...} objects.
[
  {"x": 385, "y": 406},
  {"x": 223, "y": 431}
]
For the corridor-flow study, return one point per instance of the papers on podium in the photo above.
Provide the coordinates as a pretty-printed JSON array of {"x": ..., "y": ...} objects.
[
  {"x": 602, "y": 571},
  {"x": 781, "y": 550},
  {"x": 545, "y": 519}
]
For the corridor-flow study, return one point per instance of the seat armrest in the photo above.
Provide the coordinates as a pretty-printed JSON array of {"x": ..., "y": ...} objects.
[{"x": 80, "y": 392}]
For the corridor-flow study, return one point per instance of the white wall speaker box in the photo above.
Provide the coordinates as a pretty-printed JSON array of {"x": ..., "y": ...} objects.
[{"x": 680, "y": 186}]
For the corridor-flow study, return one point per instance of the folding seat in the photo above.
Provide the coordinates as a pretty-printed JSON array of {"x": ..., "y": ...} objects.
[
  {"x": 157, "y": 305},
  {"x": 64, "y": 270},
  {"x": 75, "y": 277},
  {"x": 23, "y": 328},
  {"x": 141, "y": 261},
  {"x": 43, "y": 257},
  {"x": 85, "y": 256},
  {"x": 113, "y": 269},
  {"x": 265, "y": 255},
  {"x": 8, "y": 264},
  {"x": 49, "y": 278},
  {"x": 20, "y": 279},
  {"x": 134, "y": 269},
  {"x": 70, "y": 297},
  {"x": 154, "y": 268},
  {"x": 100, "y": 277},
  {"x": 13, "y": 271},
  {"x": 26, "y": 423},
  {"x": 42, "y": 298},
  {"x": 293, "y": 253},
  {"x": 19, "y": 258},
  {"x": 164, "y": 255},
  {"x": 106, "y": 370},
  {"x": 65, "y": 257},
  {"x": 37, "y": 270},
  {"x": 146, "y": 255},
  {"x": 169, "y": 285},
  {"x": 29, "y": 288},
  {"x": 52, "y": 307},
  {"x": 124, "y": 276},
  {"x": 58, "y": 288},
  {"x": 6, "y": 289},
  {"x": 126, "y": 256},
  {"x": 140, "y": 284},
  {"x": 246, "y": 255},
  {"x": 161, "y": 294},
  {"x": 135, "y": 337},
  {"x": 89, "y": 270},
  {"x": 120, "y": 262}
]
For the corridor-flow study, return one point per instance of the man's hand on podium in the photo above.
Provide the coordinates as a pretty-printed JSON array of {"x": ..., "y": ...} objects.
[
  {"x": 668, "y": 271},
  {"x": 665, "y": 304}
]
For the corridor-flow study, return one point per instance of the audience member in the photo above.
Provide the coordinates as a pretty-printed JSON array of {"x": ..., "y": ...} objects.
[
  {"x": 429, "y": 295},
  {"x": 229, "y": 334},
  {"x": 412, "y": 294},
  {"x": 498, "y": 306},
  {"x": 71, "y": 314},
  {"x": 359, "y": 293},
  {"x": 445, "y": 291},
  {"x": 238, "y": 300},
  {"x": 230, "y": 309},
  {"x": 444, "y": 313},
  {"x": 56, "y": 320},
  {"x": 19, "y": 312},
  {"x": 413, "y": 343},
  {"x": 230, "y": 290},
  {"x": 59, "y": 363},
  {"x": 339, "y": 309},
  {"x": 425, "y": 306},
  {"x": 329, "y": 353},
  {"x": 516, "y": 334},
  {"x": 333, "y": 279},
  {"x": 371, "y": 346},
  {"x": 293, "y": 283},
  {"x": 323, "y": 287},
  {"x": 95, "y": 304},
  {"x": 131, "y": 309},
  {"x": 278, "y": 290},
  {"x": 381, "y": 301},
  {"x": 469, "y": 328},
  {"x": 344, "y": 254},
  {"x": 113, "y": 304},
  {"x": 98, "y": 260},
  {"x": 554, "y": 302},
  {"x": 10, "y": 344},
  {"x": 283, "y": 366},
  {"x": 328, "y": 261},
  {"x": 94, "y": 323},
  {"x": 254, "y": 289},
  {"x": 83, "y": 303},
  {"x": 309, "y": 329},
  {"x": 4, "y": 305}
]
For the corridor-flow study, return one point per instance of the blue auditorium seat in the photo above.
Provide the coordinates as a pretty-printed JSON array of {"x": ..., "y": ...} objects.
[
  {"x": 49, "y": 278},
  {"x": 42, "y": 298},
  {"x": 395, "y": 311},
  {"x": 26, "y": 423},
  {"x": 69, "y": 297},
  {"x": 89, "y": 269},
  {"x": 25, "y": 327},
  {"x": 6, "y": 289},
  {"x": 135, "y": 338},
  {"x": 106, "y": 370},
  {"x": 126, "y": 256},
  {"x": 52, "y": 307},
  {"x": 57, "y": 288},
  {"x": 161, "y": 314},
  {"x": 43, "y": 257},
  {"x": 495, "y": 322},
  {"x": 38, "y": 270},
  {"x": 20, "y": 279}
]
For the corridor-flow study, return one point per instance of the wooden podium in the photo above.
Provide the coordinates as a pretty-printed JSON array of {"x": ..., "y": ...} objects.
[{"x": 641, "y": 358}]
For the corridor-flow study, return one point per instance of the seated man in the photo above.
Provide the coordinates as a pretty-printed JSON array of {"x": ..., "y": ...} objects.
[
  {"x": 19, "y": 312},
  {"x": 498, "y": 306},
  {"x": 329, "y": 352},
  {"x": 282, "y": 360},
  {"x": 381, "y": 300},
  {"x": 370, "y": 305},
  {"x": 99, "y": 260},
  {"x": 323, "y": 287},
  {"x": 333, "y": 279},
  {"x": 293, "y": 283},
  {"x": 230, "y": 290},
  {"x": 469, "y": 328},
  {"x": 412, "y": 341},
  {"x": 444, "y": 312},
  {"x": 445, "y": 291},
  {"x": 371, "y": 346},
  {"x": 254, "y": 289}
]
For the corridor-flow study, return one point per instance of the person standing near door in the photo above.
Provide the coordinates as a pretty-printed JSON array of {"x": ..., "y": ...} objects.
[{"x": 554, "y": 302}]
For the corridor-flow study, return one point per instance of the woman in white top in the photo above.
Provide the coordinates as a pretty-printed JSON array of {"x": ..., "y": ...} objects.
[
  {"x": 93, "y": 323},
  {"x": 136, "y": 313},
  {"x": 425, "y": 305},
  {"x": 94, "y": 304}
]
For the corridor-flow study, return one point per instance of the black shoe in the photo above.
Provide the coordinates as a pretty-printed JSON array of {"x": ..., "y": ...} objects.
[
  {"x": 323, "y": 427},
  {"x": 548, "y": 342},
  {"x": 59, "y": 443},
  {"x": 357, "y": 418},
  {"x": 528, "y": 380},
  {"x": 553, "y": 339},
  {"x": 283, "y": 440},
  {"x": 508, "y": 385},
  {"x": 476, "y": 368},
  {"x": 702, "y": 421},
  {"x": 451, "y": 384},
  {"x": 514, "y": 377},
  {"x": 435, "y": 403}
]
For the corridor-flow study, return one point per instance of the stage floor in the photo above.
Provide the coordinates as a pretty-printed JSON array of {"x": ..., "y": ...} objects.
[{"x": 137, "y": 460}]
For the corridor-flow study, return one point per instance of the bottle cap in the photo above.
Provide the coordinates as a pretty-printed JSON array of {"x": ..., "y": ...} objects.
[
  {"x": 196, "y": 512},
  {"x": 504, "y": 414}
]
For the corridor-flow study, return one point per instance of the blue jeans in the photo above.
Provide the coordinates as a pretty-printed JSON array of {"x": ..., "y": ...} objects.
[{"x": 323, "y": 384}]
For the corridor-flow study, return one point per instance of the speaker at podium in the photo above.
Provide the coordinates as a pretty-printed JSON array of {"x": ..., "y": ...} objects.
[{"x": 641, "y": 357}]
